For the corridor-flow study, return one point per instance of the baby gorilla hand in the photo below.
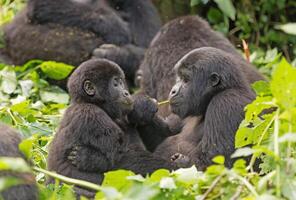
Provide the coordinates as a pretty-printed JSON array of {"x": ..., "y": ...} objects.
[
  {"x": 144, "y": 110},
  {"x": 74, "y": 156},
  {"x": 181, "y": 160}
]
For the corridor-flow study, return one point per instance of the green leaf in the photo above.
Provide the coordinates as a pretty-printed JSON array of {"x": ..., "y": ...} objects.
[
  {"x": 159, "y": 174},
  {"x": 288, "y": 189},
  {"x": 219, "y": 160},
  {"x": 9, "y": 82},
  {"x": 14, "y": 164},
  {"x": 187, "y": 175},
  {"x": 55, "y": 70},
  {"x": 242, "y": 152},
  {"x": 117, "y": 179},
  {"x": 227, "y": 8},
  {"x": 25, "y": 146},
  {"x": 167, "y": 183},
  {"x": 56, "y": 97},
  {"x": 194, "y": 2},
  {"x": 243, "y": 137},
  {"x": 289, "y": 28},
  {"x": 261, "y": 88},
  {"x": 283, "y": 84}
]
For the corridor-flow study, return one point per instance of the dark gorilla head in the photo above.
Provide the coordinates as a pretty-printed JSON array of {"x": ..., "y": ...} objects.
[
  {"x": 101, "y": 82},
  {"x": 202, "y": 74}
]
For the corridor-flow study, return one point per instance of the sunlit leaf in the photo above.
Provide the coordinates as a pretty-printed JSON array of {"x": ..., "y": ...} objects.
[
  {"x": 55, "y": 70},
  {"x": 289, "y": 28},
  {"x": 9, "y": 82},
  {"x": 227, "y": 8}
]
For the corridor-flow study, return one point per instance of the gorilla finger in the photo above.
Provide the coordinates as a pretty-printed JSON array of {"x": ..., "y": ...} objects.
[
  {"x": 71, "y": 158},
  {"x": 108, "y": 46},
  {"x": 99, "y": 53}
]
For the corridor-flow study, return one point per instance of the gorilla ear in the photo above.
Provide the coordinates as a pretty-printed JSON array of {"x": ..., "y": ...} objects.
[
  {"x": 215, "y": 79},
  {"x": 89, "y": 88}
]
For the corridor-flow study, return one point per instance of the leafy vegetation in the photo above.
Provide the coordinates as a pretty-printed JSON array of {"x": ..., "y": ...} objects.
[{"x": 32, "y": 105}]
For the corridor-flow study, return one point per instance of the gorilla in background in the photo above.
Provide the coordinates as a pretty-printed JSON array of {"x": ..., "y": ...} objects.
[
  {"x": 27, "y": 190},
  {"x": 70, "y": 30},
  {"x": 95, "y": 136},
  {"x": 210, "y": 95},
  {"x": 172, "y": 42}
]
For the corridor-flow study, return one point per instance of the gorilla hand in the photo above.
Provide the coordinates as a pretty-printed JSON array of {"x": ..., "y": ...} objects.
[
  {"x": 181, "y": 160},
  {"x": 144, "y": 110},
  {"x": 110, "y": 52}
]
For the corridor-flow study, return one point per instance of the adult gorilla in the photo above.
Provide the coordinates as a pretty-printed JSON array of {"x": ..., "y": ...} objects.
[
  {"x": 69, "y": 30},
  {"x": 211, "y": 90},
  {"x": 172, "y": 42}
]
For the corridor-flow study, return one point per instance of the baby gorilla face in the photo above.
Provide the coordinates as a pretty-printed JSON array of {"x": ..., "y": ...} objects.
[{"x": 119, "y": 94}]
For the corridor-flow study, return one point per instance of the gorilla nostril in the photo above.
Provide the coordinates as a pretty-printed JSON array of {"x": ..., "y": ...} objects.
[
  {"x": 126, "y": 94},
  {"x": 173, "y": 92}
]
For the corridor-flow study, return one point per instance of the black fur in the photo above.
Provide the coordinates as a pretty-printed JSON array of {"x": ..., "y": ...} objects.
[
  {"x": 210, "y": 95},
  {"x": 27, "y": 190},
  {"x": 70, "y": 30},
  {"x": 172, "y": 42},
  {"x": 94, "y": 135}
]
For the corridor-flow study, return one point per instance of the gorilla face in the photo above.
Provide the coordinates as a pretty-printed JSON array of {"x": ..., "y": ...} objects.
[
  {"x": 119, "y": 94},
  {"x": 196, "y": 84}
]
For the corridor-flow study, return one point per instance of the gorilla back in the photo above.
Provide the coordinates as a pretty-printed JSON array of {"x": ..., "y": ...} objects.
[{"x": 70, "y": 30}]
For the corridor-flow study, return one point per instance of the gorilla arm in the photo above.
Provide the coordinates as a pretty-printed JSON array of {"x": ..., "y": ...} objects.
[
  {"x": 222, "y": 119},
  {"x": 101, "y": 143},
  {"x": 128, "y": 57},
  {"x": 153, "y": 128}
]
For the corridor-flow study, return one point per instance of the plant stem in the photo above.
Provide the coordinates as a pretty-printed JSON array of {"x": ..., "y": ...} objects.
[
  {"x": 253, "y": 159},
  {"x": 163, "y": 102},
  {"x": 68, "y": 180},
  {"x": 277, "y": 153},
  {"x": 213, "y": 185},
  {"x": 245, "y": 182}
]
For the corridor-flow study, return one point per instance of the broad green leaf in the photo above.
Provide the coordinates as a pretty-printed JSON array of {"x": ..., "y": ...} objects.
[
  {"x": 283, "y": 84},
  {"x": 26, "y": 86},
  {"x": 242, "y": 152},
  {"x": 167, "y": 183},
  {"x": 261, "y": 88},
  {"x": 227, "y": 8},
  {"x": 55, "y": 70},
  {"x": 117, "y": 179},
  {"x": 194, "y": 2},
  {"x": 159, "y": 174},
  {"x": 289, "y": 28},
  {"x": 219, "y": 160},
  {"x": 25, "y": 146},
  {"x": 56, "y": 97},
  {"x": 288, "y": 189},
  {"x": 14, "y": 164},
  {"x": 109, "y": 193},
  {"x": 187, "y": 175},
  {"x": 243, "y": 137},
  {"x": 9, "y": 82},
  {"x": 141, "y": 192}
]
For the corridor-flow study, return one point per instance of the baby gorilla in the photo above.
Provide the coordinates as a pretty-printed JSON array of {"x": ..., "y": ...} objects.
[{"x": 94, "y": 136}]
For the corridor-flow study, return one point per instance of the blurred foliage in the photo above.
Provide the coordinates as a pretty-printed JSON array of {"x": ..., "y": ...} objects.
[{"x": 263, "y": 24}]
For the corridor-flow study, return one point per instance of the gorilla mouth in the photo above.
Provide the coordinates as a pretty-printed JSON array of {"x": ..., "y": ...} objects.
[{"x": 127, "y": 104}]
